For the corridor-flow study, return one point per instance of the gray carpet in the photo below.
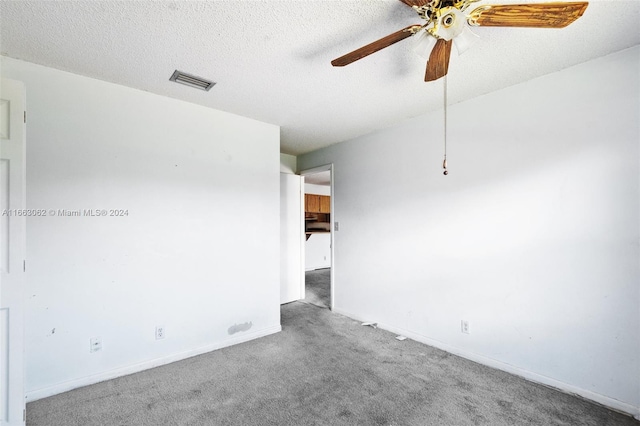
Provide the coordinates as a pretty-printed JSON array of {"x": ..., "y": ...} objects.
[
  {"x": 322, "y": 369},
  {"x": 318, "y": 287}
]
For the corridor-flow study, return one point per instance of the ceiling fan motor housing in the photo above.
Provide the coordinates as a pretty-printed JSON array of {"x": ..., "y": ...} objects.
[{"x": 448, "y": 23}]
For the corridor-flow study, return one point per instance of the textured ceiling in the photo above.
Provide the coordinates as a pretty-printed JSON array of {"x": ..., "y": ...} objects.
[{"x": 271, "y": 59}]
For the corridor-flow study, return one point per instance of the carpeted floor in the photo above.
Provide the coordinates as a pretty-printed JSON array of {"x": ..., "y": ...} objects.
[
  {"x": 318, "y": 287},
  {"x": 322, "y": 369}
]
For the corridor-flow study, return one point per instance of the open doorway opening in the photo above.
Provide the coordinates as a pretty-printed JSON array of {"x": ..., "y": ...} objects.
[{"x": 318, "y": 244}]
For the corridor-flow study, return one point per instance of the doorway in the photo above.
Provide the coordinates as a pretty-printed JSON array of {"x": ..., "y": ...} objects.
[{"x": 318, "y": 257}]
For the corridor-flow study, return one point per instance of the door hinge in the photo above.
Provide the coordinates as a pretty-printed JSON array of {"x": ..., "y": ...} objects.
[
  {"x": 24, "y": 266},
  {"x": 25, "y": 116},
  {"x": 24, "y": 415}
]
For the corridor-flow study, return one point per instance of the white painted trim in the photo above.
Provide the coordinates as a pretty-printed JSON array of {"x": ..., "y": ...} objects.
[
  {"x": 608, "y": 402},
  {"x": 314, "y": 170},
  {"x": 303, "y": 238},
  {"x": 332, "y": 273},
  {"x": 145, "y": 365}
]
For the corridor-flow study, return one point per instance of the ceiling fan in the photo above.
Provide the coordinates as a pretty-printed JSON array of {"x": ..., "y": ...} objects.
[{"x": 448, "y": 22}]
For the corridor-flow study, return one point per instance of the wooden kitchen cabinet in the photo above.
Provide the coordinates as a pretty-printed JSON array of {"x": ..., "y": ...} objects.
[
  {"x": 314, "y": 203},
  {"x": 325, "y": 204},
  {"x": 311, "y": 203}
]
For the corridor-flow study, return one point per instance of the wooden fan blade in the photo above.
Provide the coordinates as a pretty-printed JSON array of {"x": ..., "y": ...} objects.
[
  {"x": 373, "y": 47},
  {"x": 438, "y": 64},
  {"x": 412, "y": 3},
  {"x": 538, "y": 15}
]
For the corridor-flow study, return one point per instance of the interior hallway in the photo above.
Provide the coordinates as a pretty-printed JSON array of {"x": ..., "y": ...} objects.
[{"x": 318, "y": 287}]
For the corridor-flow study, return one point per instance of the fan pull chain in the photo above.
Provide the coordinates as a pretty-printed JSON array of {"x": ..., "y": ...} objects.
[{"x": 444, "y": 162}]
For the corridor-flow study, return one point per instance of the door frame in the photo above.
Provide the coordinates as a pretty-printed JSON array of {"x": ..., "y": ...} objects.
[
  {"x": 312, "y": 171},
  {"x": 13, "y": 281}
]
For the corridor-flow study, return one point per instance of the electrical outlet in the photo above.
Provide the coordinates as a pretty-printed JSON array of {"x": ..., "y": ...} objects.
[
  {"x": 95, "y": 344},
  {"x": 159, "y": 332},
  {"x": 336, "y": 226},
  {"x": 464, "y": 326}
]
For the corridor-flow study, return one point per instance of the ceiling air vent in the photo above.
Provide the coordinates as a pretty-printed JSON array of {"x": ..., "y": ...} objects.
[{"x": 191, "y": 80}]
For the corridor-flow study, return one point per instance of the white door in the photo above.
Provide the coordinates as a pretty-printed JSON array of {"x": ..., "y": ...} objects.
[
  {"x": 291, "y": 230},
  {"x": 12, "y": 251}
]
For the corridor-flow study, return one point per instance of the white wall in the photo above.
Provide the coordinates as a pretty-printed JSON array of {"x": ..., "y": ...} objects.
[
  {"x": 288, "y": 163},
  {"x": 310, "y": 188},
  {"x": 533, "y": 237},
  {"x": 198, "y": 252},
  {"x": 317, "y": 252}
]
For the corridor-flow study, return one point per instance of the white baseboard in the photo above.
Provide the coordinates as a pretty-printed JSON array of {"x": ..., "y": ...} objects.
[
  {"x": 135, "y": 368},
  {"x": 499, "y": 365}
]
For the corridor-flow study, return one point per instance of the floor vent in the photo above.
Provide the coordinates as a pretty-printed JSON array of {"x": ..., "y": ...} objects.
[{"x": 191, "y": 80}]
